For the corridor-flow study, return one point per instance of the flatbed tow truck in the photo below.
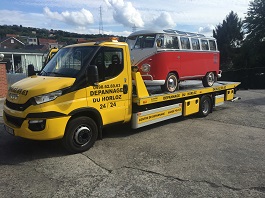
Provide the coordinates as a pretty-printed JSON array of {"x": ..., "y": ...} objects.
[
  {"x": 77, "y": 94},
  {"x": 191, "y": 100}
]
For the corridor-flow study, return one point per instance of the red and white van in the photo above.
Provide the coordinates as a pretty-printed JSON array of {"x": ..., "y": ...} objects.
[{"x": 169, "y": 56}]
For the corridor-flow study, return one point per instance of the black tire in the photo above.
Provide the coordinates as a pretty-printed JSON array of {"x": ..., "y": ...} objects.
[
  {"x": 205, "y": 106},
  {"x": 171, "y": 83},
  {"x": 209, "y": 79},
  {"x": 80, "y": 135}
]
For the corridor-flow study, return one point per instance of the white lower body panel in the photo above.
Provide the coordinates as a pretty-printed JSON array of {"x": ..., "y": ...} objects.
[
  {"x": 152, "y": 116},
  {"x": 219, "y": 100}
]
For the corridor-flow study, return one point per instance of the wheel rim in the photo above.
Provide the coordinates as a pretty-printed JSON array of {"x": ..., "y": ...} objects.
[
  {"x": 210, "y": 79},
  {"x": 205, "y": 107},
  {"x": 83, "y": 135},
  {"x": 172, "y": 83}
]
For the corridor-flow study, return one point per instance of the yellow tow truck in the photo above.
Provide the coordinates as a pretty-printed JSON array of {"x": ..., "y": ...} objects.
[
  {"x": 51, "y": 53},
  {"x": 88, "y": 86}
]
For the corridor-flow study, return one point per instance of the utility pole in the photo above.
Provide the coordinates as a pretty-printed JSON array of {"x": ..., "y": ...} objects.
[
  {"x": 134, "y": 28},
  {"x": 100, "y": 28}
]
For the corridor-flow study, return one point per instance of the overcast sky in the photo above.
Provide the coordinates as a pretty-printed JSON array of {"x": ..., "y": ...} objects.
[{"x": 119, "y": 16}]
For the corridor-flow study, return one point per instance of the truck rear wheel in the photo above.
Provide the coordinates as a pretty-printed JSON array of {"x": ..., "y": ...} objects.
[
  {"x": 205, "y": 106},
  {"x": 171, "y": 83},
  {"x": 209, "y": 79},
  {"x": 80, "y": 135}
]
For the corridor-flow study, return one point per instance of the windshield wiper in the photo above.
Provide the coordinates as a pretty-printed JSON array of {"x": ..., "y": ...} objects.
[
  {"x": 48, "y": 73},
  {"x": 43, "y": 72},
  {"x": 55, "y": 73}
]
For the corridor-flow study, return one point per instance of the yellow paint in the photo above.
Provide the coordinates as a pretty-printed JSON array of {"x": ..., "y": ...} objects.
[
  {"x": 140, "y": 86},
  {"x": 191, "y": 106},
  {"x": 37, "y": 85},
  {"x": 54, "y": 129},
  {"x": 229, "y": 94}
]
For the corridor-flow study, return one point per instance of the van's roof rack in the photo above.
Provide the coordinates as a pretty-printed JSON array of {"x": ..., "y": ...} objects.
[{"x": 183, "y": 33}]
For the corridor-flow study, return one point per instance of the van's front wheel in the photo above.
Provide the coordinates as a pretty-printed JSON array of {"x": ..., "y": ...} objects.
[
  {"x": 80, "y": 135},
  {"x": 171, "y": 83},
  {"x": 209, "y": 79}
]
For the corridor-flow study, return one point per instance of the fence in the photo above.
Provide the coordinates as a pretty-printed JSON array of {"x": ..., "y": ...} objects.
[{"x": 253, "y": 78}]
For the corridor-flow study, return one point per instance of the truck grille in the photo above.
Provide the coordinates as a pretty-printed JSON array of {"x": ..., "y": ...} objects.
[
  {"x": 14, "y": 120},
  {"x": 18, "y": 107}
]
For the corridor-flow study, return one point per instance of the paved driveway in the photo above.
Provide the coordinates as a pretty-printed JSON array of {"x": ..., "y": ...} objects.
[{"x": 222, "y": 155}]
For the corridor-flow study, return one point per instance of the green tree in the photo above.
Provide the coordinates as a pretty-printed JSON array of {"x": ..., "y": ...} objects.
[
  {"x": 255, "y": 21},
  {"x": 254, "y": 44},
  {"x": 229, "y": 36}
]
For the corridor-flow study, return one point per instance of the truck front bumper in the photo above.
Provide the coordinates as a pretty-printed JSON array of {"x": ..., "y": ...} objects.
[{"x": 54, "y": 128}]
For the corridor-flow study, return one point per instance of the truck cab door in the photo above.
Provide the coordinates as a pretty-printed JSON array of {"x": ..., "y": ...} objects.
[{"x": 110, "y": 97}]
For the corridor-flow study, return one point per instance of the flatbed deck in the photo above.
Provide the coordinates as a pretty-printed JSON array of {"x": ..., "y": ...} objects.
[{"x": 186, "y": 90}]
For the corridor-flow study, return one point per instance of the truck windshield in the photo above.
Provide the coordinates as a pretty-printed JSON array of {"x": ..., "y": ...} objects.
[{"x": 68, "y": 62}]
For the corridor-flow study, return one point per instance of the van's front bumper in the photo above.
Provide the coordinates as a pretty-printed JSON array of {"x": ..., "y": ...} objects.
[{"x": 219, "y": 75}]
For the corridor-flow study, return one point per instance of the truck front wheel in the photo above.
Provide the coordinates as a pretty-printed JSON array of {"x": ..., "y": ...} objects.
[{"x": 80, "y": 135}]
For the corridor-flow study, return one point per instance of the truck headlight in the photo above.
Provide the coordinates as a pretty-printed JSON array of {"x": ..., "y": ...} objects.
[
  {"x": 146, "y": 67},
  {"x": 47, "y": 97}
]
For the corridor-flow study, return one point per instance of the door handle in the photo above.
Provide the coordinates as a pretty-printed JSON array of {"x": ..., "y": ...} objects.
[{"x": 125, "y": 89}]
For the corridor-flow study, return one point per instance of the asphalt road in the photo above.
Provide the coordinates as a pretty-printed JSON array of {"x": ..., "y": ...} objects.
[{"x": 222, "y": 155}]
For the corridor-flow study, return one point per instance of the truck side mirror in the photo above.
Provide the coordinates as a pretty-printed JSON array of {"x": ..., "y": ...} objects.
[
  {"x": 92, "y": 75},
  {"x": 31, "y": 70}
]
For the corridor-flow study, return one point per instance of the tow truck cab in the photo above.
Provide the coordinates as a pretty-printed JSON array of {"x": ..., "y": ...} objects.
[{"x": 85, "y": 80}]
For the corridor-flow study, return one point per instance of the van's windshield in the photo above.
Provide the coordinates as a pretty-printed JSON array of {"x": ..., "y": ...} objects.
[
  {"x": 68, "y": 62},
  {"x": 145, "y": 41}
]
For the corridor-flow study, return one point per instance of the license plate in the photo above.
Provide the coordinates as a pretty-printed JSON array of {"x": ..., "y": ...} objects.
[{"x": 9, "y": 130}]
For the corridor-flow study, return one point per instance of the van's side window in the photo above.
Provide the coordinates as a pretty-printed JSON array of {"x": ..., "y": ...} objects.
[
  {"x": 212, "y": 45},
  {"x": 109, "y": 62},
  {"x": 195, "y": 44},
  {"x": 185, "y": 42},
  {"x": 171, "y": 42},
  {"x": 205, "y": 45}
]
